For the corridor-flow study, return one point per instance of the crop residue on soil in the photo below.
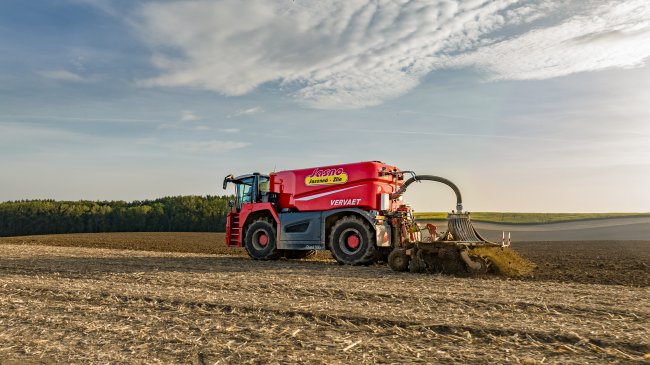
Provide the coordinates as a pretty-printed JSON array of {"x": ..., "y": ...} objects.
[{"x": 81, "y": 305}]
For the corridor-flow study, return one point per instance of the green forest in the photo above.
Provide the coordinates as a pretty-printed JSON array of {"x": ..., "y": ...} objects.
[{"x": 169, "y": 214}]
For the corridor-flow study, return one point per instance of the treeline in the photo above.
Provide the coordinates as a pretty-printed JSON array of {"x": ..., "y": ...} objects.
[{"x": 170, "y": 214}]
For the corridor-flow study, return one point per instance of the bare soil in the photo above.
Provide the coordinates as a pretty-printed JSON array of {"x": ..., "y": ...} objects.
[
  {"x": 599, "y": 262},
  {"x": 91, "y": 305}
]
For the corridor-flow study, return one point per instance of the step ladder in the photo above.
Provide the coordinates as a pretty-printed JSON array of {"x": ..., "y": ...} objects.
[{"x": 234, "y": 235}]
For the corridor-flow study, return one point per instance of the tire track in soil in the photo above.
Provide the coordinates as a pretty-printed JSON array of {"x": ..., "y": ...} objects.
[
  {"x": 340, "y": 319},
  {"x": 81, "y": 325},
  {"x": 109, "y": 299},
  {"x": 361, "y": 295},
  {"x": 350, "y": 323},
  {"x": 357, "y": 295}
]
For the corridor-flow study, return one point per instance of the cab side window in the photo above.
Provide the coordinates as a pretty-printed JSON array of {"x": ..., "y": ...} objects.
[{"x": 264, "y": 184}]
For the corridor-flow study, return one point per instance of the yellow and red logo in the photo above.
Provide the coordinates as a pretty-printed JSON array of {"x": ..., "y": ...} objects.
[{"x": 326, "y": 177}]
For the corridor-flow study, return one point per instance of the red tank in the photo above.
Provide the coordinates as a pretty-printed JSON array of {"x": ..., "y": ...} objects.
[{"x": 357, "y": 185}]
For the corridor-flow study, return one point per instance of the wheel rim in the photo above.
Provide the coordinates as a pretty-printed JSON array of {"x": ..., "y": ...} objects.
[
  {"x": 263, "y": 240},
  {"x": 353, "y": 241},
  {"x": 260, "y": 239},
  {"x": 350, "y": 241}
]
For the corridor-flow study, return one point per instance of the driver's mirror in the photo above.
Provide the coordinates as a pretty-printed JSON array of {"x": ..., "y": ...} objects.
[
  {"x": 231, "y": 203},
  {"x": 226, "y": 180}
]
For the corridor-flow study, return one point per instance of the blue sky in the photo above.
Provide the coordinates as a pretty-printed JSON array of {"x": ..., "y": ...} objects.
[{"x": 537, "y": 106}]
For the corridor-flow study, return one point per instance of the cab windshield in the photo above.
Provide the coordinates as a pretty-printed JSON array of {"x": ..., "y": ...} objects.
[{"x": 245, "y": 192}]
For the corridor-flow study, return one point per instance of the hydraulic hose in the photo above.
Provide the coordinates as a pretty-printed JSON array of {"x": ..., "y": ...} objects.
[{"x": 459, "y": 199}]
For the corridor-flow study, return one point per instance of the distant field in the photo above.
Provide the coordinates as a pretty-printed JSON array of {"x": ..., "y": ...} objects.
[
  {"x": 195, "y": 242},
  {"x": 529, "y": 218}
]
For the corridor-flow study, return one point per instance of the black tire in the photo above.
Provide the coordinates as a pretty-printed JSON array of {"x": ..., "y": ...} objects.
[
  {"x": 398, "y": 260},
  {"x": 260, "y": 248},
  {"x": 363, "y": 253},
  {"x": 298, "y": 254}
]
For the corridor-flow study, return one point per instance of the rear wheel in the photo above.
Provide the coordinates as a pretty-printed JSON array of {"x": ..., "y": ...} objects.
[
  {"x": 352, "y": 242},
  {"x": 261, "y": 240}
]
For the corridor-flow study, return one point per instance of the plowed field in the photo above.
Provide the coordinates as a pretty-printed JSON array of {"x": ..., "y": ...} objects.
[{"x": 81, "y": 305}]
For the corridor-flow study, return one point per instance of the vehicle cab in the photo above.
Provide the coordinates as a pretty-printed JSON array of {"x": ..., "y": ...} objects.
[
  {"x": 252, "y": 201},
  {"x": 251, "y": 188}
]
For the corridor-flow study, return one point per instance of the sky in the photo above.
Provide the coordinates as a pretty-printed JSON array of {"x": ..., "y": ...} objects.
[{"x": 528, "y": 106}]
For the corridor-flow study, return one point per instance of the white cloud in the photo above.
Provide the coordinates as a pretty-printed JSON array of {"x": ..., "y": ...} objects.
[
  {"x": 356, "y": 53},
  {"x": 189, "y": 116},
  {"x": 248, "y": 111},
  {"x": 609, "y": 36},
  {"x": 208, "y": 146},
  {"x": 63, "y": 75},
  {"x": 229, "y": 130}
]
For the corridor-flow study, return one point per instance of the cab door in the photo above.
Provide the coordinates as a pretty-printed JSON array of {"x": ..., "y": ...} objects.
[{"x": 245, "y": 191}]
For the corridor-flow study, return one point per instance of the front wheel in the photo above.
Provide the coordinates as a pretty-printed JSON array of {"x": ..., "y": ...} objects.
[
  {"x": 261, "y": 240},
  {"x": 352, "y": 242}
]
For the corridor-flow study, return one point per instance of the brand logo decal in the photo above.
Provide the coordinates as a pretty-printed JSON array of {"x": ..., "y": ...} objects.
[
  {"x": 335, "y": 202},
  {"x": 326, "y": 177}
]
